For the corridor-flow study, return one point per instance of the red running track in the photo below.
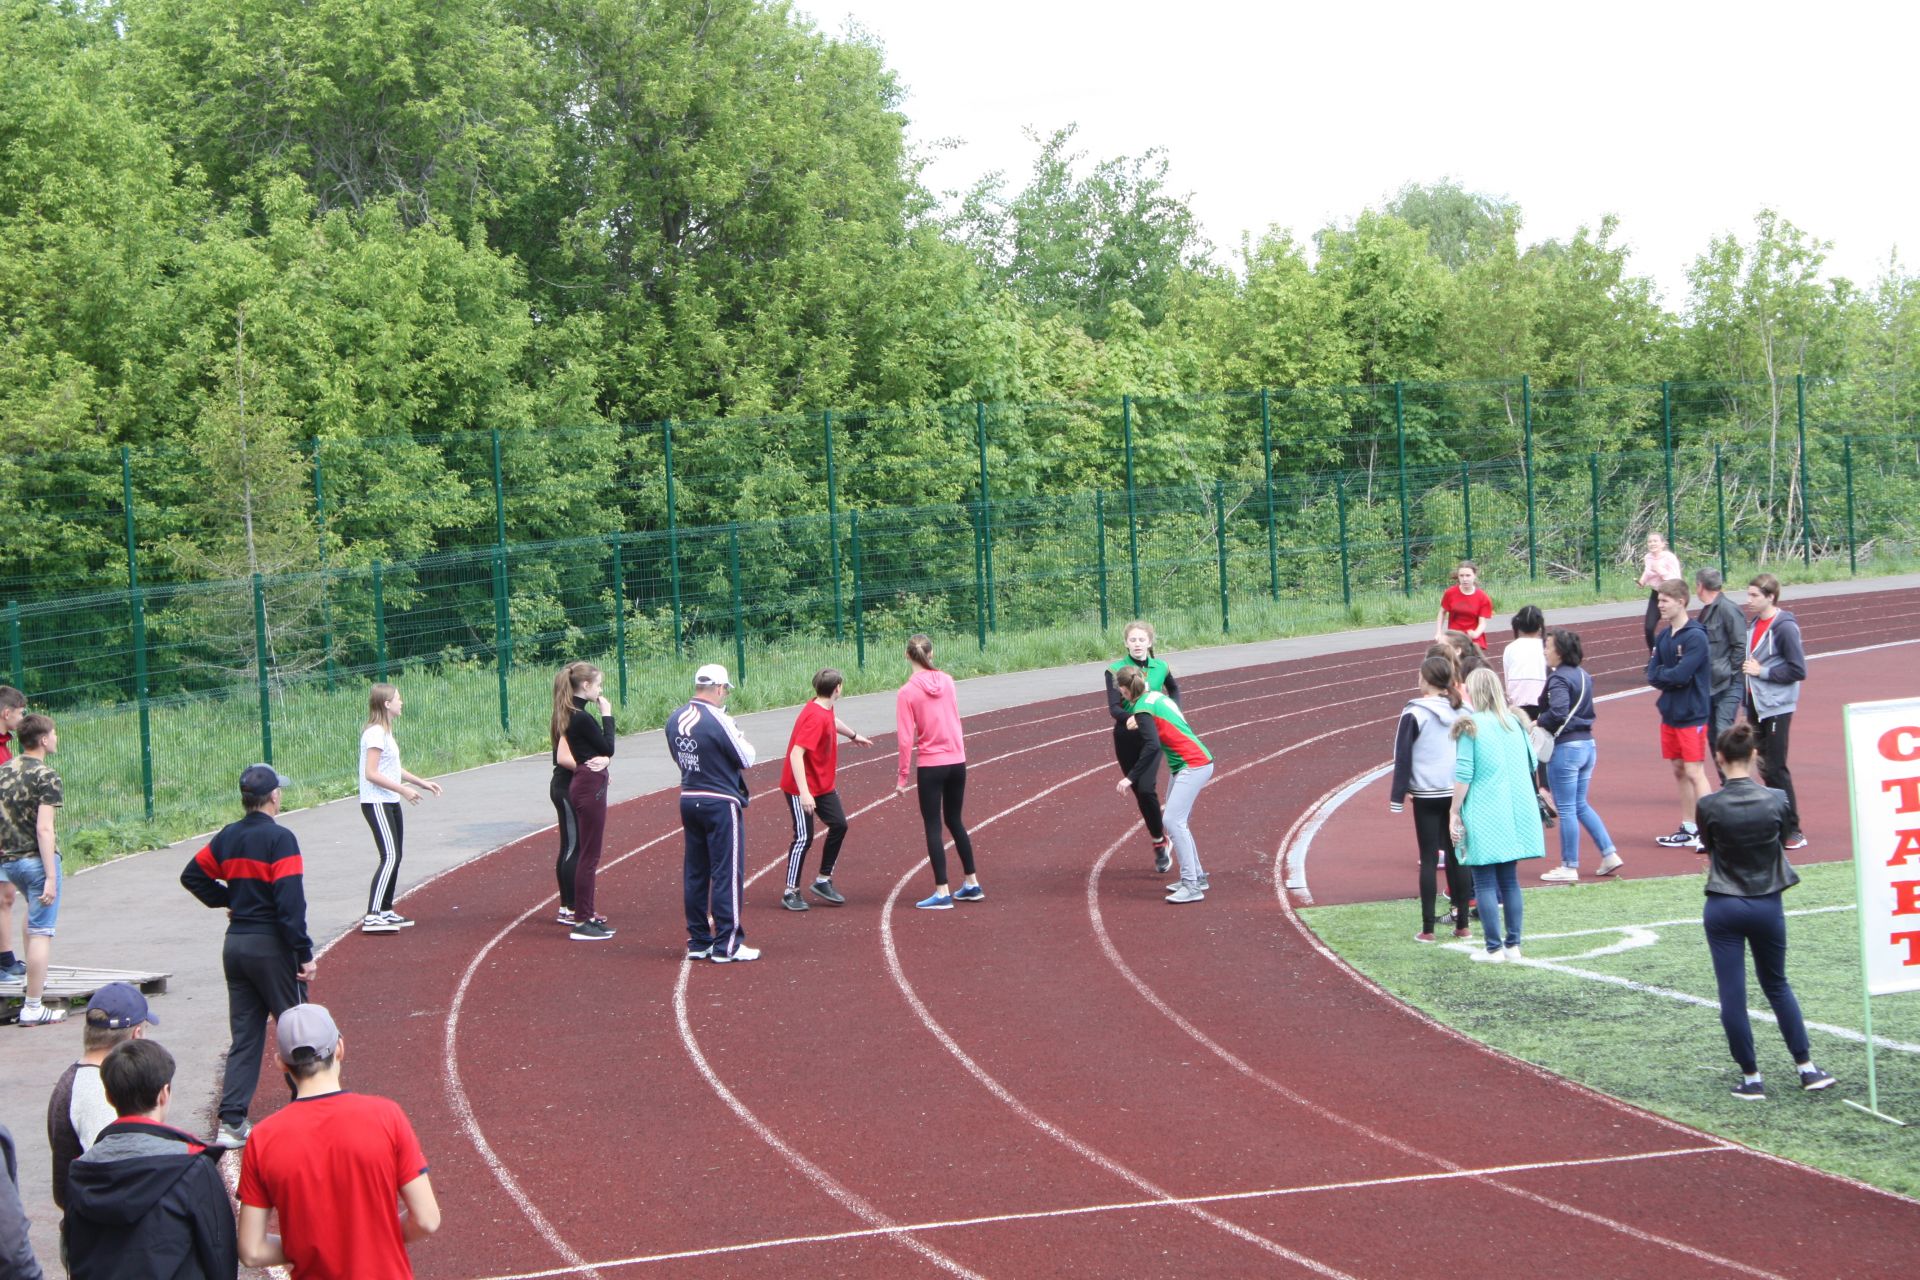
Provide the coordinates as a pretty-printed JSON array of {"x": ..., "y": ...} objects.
[{"x": 1066, "y": 1079}]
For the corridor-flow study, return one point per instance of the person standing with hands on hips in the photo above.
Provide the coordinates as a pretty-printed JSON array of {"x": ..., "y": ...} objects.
[
  {"x": 1465, "y": 607},
  {"x": 807, "y": 780},
  {"x": 1776, "y": 664},
  {"x": 383, "y": 785},
  {"x": 713, "y": 758}
]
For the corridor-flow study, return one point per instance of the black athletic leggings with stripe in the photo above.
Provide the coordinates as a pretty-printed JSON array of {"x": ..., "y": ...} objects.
[
  {"x": 1127, "y": 745},
  {"x": 384, "y": 821},
  {"x": 569, "y": 824},
  {"x": 943, "y": 789}
]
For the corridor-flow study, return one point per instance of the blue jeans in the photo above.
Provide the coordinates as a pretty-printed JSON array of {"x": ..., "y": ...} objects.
[
  {"x": 29, "y": 876},
  {"x": 1569, "y": 773},
  {"x": 1497, "y": 890}
]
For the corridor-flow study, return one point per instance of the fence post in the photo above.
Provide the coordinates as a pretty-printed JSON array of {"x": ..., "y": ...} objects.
[
  {"x": 1806, "y": 494},
  {"x": 137, "y": 600},
  {"x": 16, "y": 667},
  {"x": 1340, "y": 497},
  {"x": 739, "y": 625},
  {"x": 1133, "y": 510},
  {"x": 620, "y": 615},
  {"x": 1666, "y": 431},
  {"x": 1266, "y": 456},
  {"x": 260, "y": 667},
  {"x": 1220, "y": 547},
  {"x": 1466, "y": 502},
  {"x": 1099, "y": 538},
  {"x": 986, "y": 514},
  {"x": 1593, "y": 473},
  {"x": 1526, "y": 425},
  {"x": 833, "y": 524},
  {"x": 1720, "y": 499},
  {"x": 502, "y": 631},
  {"x": 673, "y": 535},
  {"x": 859, "y": 614},
  {"x": 979, "y": 573},
  {"x": 326, "y": 604},
  {"x": 1400, "y": 434},
  {"x": 1853, "y": 550},
  {"x": 379, "y": 622}
]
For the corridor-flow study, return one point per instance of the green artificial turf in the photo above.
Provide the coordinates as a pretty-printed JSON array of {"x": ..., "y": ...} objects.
[{"x": 1658, "y": 1052}]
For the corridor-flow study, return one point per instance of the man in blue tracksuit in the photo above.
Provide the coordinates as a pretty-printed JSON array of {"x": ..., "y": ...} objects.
[
  {"x": 1680, "y": 667},
  {"x": 713, "y": 760}
]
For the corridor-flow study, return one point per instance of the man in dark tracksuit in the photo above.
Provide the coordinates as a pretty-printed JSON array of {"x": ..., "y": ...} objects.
[
  {"x": 252, "y": 869},
  {"x": 713, "y": 760},
  {"x": 1726, "y": 630}
]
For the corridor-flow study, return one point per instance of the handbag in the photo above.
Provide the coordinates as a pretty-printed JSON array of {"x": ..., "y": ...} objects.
[{"x": 1542, "y": 740}]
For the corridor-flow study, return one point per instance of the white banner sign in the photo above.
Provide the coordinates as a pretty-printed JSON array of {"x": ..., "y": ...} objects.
[{"x": 1883, "y": 771}]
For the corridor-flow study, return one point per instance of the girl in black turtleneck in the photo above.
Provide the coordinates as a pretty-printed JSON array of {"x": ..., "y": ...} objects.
[{"x": 589, "y": 739}]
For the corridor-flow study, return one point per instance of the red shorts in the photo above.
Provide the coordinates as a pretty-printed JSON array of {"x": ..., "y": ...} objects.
[{"x": 1688, "y": 744}]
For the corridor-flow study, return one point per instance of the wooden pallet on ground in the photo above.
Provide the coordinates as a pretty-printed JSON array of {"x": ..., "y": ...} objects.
[{"x": 74, "y": 986}]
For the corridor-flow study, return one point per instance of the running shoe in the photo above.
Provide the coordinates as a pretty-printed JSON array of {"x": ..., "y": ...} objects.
[
  {"x": 1187, "y": 893},
  {"x": 15, "y": 969},
  {"x": 1560, "y": 875},
  {"x": 1483, "y": 956},
  {"x": 566, "y": 917},
  {"x": 1162, "y": 856},
  {"x": 823, "y": 889},
  {"x": 1681, "y": 839},
  {"x": 969, "y": 893},
  {"x": 1611, "y": 863},
  {"x": 1750, "y": 1091},
  {"x": 1461, "y": 935},
  {"x": 232, "y": 1136},
  {"x": 700, "y": 953},
  {"x": 45, "y": 1016},
  {"x": 1813, "y": 1078},
  {"x": 792, "y": 900},
  {"x": 938, "y": 902},
  {"x": 1513, "y": 955},
  {"x": 1423, "y": 937},
  {"x": 377, "y": 924},
  {"x": 590, "y": 931},
  {"x": 1205, "y": 883},
  {"x": 395, "y": 918},
  {"x": 1797, "y": 841},
  {"x": 740, "y": 955}
]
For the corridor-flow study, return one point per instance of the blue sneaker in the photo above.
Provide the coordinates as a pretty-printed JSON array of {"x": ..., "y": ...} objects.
[
  {"x": 969, "y": 893},
  {"x": 938, "y": 902}
]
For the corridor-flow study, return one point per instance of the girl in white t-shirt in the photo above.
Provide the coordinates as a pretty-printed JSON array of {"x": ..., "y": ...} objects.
[{"x": 383, "y": 785}]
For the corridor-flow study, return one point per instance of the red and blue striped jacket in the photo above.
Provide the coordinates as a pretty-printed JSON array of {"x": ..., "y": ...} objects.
[{"x": 252, "y": 868}]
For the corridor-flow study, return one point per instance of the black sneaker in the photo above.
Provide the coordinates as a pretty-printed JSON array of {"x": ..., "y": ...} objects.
[
  {"x": 1812, "y": 1078},
  {"x": 590, "y": 931},
  {"x": 1751, "y": 1091},
  {"x": 1680, "y": 839},
  {"x": 792, "y": 900},
  {"x": 824, "y": 890},
  {"x": 1162, "y": 856},
  {"x": 566, "y": 917}
]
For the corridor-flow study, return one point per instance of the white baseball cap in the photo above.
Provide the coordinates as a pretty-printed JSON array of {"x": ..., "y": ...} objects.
[{"x": 711, "y": 674}]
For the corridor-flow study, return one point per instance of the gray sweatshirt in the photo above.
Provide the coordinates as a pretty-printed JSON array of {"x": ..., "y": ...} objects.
[{"x": 1423, "y": 751}]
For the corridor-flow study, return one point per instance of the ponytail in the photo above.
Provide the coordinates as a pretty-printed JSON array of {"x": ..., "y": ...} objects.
[
  {"x": 920, "y": 651},
  {"x": 570, "y": 677},
  {"x": 1130, "y": 682},
  {"x": 1437, "y": 673}
]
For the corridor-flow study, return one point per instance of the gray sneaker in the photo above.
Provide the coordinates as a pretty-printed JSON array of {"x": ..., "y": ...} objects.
[
  {"x": 823, "y": 889},
  {"x": 233, "y": 1137},
  {"x": 1187, "y": 893},
  {"x": 1205, "y": 883},
  {"x": 792, "y": 900}
]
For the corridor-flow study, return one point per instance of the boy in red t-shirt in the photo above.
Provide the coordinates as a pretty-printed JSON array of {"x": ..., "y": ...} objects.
[
  {"x": 1465, "y": 607},
  {"x": 806, "y": 775},
  {"x": 333, "y": 1164}
]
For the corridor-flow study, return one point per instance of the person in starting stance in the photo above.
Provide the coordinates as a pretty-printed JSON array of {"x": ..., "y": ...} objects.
[
  {"x": 1162, "y": 728},
  {"x": 1128, "y": 745}
]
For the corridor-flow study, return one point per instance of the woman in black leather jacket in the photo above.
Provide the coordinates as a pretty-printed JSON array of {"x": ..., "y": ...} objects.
[{"x": 1742, "y": 826}]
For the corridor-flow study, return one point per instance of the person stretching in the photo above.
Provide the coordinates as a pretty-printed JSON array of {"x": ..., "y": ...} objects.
[
  {"x": 1128, "y": 746},
  {"x": 1162, "y": 727},
  {"x": 927, "y": 722},
  {"x": 807, "y": 780}
]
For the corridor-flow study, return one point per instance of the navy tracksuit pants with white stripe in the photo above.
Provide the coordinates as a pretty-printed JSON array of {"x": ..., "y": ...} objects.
[
  {"x": 714, "y": 873},
  {"x": 384, "y": 821}
]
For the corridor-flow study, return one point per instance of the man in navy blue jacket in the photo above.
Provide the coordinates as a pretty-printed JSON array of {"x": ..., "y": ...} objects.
[
  {"x": 713, "y": 760},
  {"x": 1680, "y": 668}
]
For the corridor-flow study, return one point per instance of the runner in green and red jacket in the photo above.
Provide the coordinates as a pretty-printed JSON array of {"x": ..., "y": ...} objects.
[{"x": 1161, "y": 725}]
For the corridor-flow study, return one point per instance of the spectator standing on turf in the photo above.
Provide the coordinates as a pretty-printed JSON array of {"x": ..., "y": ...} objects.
[
  {"x": 1776, "y": 664},
  {"x": 1128, "y": 746},
  {"x": 1727, "y": 652},
  {"x": 1658, "y": 565},
  {"x": 30, "y": 795},
  {"x": 1164, "y": 728},
  {"x": 807, "y": 780},
  {"x": 79, "y": 1109},
  {"x": 16, "y": 1243},
  {"x": 583, "y": 717},
  {"x": 1742, "y": 828},
  {"x": 714, "y": 758},
  {"x": 13, "y": 709},
  {"x": 926, "y": 714},
  {"x": 1423, "y": 759},
  {"x": 384, "y": 783},
  {"x": 333, "y": 1164},
  {"x": 1568, "y": 715},
  {"x": 1465, "y": 607},
  {"x": 1680, "y": 668},
  {"x": 1496, "y": 811},
  {"x": 147, "y": 1201},
  {"x": 252, "y": 869}
]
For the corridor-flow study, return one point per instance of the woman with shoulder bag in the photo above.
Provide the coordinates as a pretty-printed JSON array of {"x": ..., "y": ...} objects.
[{"x": 1567, "y": 718}]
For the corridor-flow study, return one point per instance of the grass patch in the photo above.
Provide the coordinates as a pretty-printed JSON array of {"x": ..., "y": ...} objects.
[{"x": 1656, "y": 1052}]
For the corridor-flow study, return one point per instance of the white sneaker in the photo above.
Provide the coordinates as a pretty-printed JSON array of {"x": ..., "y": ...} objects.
[
  {"x": 740, "y": 955},
  {"x": 45, "y": 1016},
  {"x": 1560, "y": 875},
  {"x": 1611, "y": 863},
  {"x": 378, "y": 924},
  {"x": 1513, "y": 953},
  {"x": 1483, "y": 956},
  {"x": 1187, "y": 893}
]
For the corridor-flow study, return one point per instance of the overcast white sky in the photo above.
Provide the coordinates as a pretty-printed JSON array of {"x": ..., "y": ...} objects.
[{"x": 1683, "y": 118}]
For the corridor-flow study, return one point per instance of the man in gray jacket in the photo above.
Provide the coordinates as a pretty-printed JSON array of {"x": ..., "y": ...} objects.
[
  {"x": 1726, "y": 654},
  {"x": 1776, "y": 664}
]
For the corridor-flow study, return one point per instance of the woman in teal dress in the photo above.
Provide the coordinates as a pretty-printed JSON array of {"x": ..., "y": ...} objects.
[{"x": 1496, "y": 809}]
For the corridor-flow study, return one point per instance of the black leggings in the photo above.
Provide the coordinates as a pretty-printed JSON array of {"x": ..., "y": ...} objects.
[
  {"x": 384, "y": 821},
  {"x": 1772, "y": 735},
  {"x": 1651, "y": 623},
  {"x": 569, "y": 823},
  {"x": 1127, "y": 745},
  {"x": 943, "y": 789},
  {"x": 1431, "y": 827}
]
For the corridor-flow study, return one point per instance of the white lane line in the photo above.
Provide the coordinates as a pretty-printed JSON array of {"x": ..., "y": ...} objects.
[{"x": 1126, "y": 1206}]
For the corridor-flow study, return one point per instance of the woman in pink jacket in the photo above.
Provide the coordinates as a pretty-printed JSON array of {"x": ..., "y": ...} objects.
[{"x": 927, "y": 717}]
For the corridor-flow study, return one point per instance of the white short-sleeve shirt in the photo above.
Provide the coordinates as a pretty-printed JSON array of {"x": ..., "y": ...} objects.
[{"x": 381, "y": 739}]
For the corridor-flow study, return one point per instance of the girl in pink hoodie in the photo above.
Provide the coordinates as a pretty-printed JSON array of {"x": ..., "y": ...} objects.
[{"x": 927, "y": 717}]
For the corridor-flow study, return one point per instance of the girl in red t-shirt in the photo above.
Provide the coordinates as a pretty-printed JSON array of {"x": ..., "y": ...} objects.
[{"x": 1465, "y": 607}]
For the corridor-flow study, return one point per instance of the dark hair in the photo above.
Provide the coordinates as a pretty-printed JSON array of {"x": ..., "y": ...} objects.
[
  {"x": 1529, "y": 621},
  {"x": 1470, "y": 662},
  {"x": 252, "y": 803},
  {"x": 1675, "y": 589},
  {"x": 307, "y": 1067},
  {"x": 575, "y": 675},
  {"x": 1130, "y": 682},
  {"x": 11, "y": 699},
  {"x": 920, "y": 651},
  {"x": 826, "y": 680},
  {"x": 1768, "y": 584},
  {"x": 1438, "y": 673},
  {"x": 34, "y": 730},
  {"x": 1736, "y": 744},
  {"x": 1567, "y": 644},
  {"x": 1462, "y": 643},
  {"x": 134, "y": 1074}
]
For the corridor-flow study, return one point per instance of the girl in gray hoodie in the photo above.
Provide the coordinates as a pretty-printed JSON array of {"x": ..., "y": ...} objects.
[{"x": 1423, "y": 768}]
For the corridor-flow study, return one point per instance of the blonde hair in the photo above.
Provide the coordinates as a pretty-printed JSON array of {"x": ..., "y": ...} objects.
[
  {"x": 1484, "y": 694},
  {"x": 377, "y": 699},
  {"x": 1139, "y": 624},
  {"x": 576, "y": 675}
]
